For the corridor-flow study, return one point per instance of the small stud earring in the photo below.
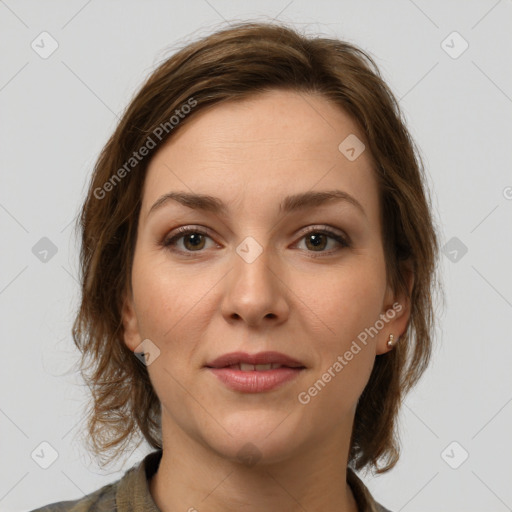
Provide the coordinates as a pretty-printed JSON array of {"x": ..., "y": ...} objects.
[{"x": 390, "y": 341}]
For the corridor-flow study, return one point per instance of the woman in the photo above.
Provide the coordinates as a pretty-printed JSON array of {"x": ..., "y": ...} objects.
[{"x": 258, "y": 260}]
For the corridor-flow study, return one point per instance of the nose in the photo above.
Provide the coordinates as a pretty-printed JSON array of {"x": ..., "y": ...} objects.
[{"x": 255, "y": 291}]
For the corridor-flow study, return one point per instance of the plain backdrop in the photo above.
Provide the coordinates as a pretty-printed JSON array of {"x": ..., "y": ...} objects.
[{"x": 448, "y": 62}]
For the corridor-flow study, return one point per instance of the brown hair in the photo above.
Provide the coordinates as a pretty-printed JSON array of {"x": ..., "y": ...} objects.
[{"x": 235, "y": 63}]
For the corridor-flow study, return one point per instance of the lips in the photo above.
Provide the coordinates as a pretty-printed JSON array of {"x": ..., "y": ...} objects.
[
  {"x": 261, "y": 361},
  {"x": 255, "y": 373}
]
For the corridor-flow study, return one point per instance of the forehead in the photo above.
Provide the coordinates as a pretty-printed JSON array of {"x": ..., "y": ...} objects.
[{"x": 270, "y": 145}]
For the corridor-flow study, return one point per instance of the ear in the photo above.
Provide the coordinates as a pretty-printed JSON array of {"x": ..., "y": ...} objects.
[
  {"x": 397, "y": 310},
  {"x": 131, "y": 333}
]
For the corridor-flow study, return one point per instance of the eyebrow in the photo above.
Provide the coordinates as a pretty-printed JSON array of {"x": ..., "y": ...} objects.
[{"x": 291, "y": 203}]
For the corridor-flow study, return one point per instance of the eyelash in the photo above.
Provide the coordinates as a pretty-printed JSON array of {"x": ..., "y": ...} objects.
[{"x": 169, "y": 243}]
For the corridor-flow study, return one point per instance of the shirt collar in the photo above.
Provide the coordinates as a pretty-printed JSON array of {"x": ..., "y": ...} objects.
[
  {"x": 363, "y": 497},
  {"x": 133, "y": 492}
]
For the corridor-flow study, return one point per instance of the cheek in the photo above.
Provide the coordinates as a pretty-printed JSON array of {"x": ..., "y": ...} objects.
[
  {"x": 164, "y": 297},
  {"x": 349, "y": 299},
  {"x": 344, "y": 362},
  {"x": 167, "y": 303},
  {"x": 174, "y": 311},
  {"x": 349, "y": 302}
]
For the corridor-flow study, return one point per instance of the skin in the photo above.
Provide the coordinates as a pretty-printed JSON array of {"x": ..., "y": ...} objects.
[{"x": 251, "y": 154}]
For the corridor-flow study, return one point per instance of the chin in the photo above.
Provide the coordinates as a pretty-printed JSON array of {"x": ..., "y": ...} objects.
[{"x": 256, "y": 438}]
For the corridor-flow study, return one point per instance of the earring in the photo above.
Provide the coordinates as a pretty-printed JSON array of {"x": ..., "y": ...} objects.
[{"x": 390, "y": 342}]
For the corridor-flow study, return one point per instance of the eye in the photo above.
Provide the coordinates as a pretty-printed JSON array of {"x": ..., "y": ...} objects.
[
  {"x": 317, "y": 239},
  {"x": 194, "y": 239}
]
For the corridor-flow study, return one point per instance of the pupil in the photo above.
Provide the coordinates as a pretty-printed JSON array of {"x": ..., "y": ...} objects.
[
  {"x": 316, "y": 240},
  {"x": 195, "y": 237}
]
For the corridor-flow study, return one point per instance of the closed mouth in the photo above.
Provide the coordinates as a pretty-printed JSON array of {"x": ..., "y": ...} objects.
[
  {"x": 246, "y": 367},
  {"x": 262, "y": 361}
]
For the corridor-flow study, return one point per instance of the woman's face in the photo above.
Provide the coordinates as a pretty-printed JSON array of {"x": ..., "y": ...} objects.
[{"x": 270, "y": 274}]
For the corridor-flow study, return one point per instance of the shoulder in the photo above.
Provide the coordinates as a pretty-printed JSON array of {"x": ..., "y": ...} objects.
[
  {"x": 128, "y": 493},
  {"x": 101, "y": 500}
]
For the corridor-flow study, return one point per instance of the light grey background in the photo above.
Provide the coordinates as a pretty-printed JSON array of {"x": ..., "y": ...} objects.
[{"x": 57, "y": 113}]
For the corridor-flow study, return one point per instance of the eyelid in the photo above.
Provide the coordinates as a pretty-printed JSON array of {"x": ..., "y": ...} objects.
[
  {"x": 331, "y": 230},
  {"x": 191, "y": 228},
  {"x": 340, "y": 237},
  {"x": 177, "y": 233}
]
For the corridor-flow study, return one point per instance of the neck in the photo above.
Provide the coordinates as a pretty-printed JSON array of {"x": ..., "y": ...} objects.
[{"x": 193, "y": 477}]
